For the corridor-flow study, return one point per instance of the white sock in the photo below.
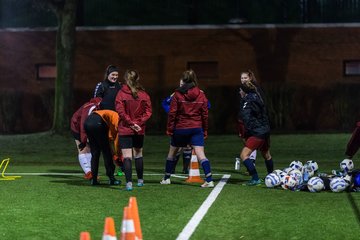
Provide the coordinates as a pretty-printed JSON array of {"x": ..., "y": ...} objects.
[
  {"x": 84, "y": 163},
  {"x": 88, "y": 156},
  {"x": 253, "y": 155}
]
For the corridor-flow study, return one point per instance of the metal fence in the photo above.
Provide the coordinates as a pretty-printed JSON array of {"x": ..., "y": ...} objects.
[{"x": 15, "y": 13}]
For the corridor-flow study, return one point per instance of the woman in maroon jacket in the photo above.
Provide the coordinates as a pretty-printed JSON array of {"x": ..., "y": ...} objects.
[
  {"x": 78, "y": 131},
  {"x": 188, "y": 124},
  {"x": 134, "y": 107}
]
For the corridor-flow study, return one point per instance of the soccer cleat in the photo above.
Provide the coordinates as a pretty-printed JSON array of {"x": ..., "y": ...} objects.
[
  {"x": 208, "y": 184},
  {"x": 113, "y": 181},
  {"x": 119, "y": 172},
  {"x": 94, "y": 182},
  {"x": 129, "y": 186},
  {"x": 88, "y": 175},
  {"x": 253, "y": 182},
  {"x": 140, "y": 183},
  {"x": 165, "y": 181}
]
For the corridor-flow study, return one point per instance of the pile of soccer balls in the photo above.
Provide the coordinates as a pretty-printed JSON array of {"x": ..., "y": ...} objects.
[{"x": 299, "y": 176}]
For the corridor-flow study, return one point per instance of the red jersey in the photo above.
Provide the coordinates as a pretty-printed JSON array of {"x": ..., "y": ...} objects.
[
  {"x": 132, "y": 110},
  {"x": 79, "y": 117},
  {"x": 188, "y": 110}
]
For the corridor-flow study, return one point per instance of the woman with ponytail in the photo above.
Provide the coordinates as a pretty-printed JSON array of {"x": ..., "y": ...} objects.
[
  {"x": 257, "y": 128},
  {"x": 188, "y": 125},
  {"x": 134, "y": 108}
]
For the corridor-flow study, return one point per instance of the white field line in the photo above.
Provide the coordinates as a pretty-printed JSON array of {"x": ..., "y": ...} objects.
[
  {"x": 81, "y": 174},
  {"x": 200, "y": 213}
]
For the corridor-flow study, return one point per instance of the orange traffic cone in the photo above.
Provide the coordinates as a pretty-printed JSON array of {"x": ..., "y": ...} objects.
[
  {"x": 194, "y": 172},
  {"x": 134, "y": 208},
  {"x": 85, "y": 236},
  {"x": 109, "y": 229},
  {"x": 128, "y": 225}
]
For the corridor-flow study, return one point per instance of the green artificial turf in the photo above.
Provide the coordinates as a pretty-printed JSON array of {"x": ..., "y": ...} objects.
[{"x": 60, "y": 207}]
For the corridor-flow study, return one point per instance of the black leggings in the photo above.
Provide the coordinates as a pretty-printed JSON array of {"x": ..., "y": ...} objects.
[{"x": 97, "y": 133}]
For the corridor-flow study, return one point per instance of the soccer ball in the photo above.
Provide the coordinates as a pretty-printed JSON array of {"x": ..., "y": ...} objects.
[
  {"x": 337, "y": 184},
  {"x": 280, "y": 173},
  {"x": 312, "y": 164},
  {"x": 347, "y": 165},
  {"x": 297, "y": 175},
  {"x": 308, "y": 171},
  {"x": 287, "y": 170},
  {"x": 357, "y": 180},
  {"x": 289, "y": 182},
  {"x": 272, "y": 180},
  {"x": 296, "y": 165},
  {"x": 315, "y": 184}
]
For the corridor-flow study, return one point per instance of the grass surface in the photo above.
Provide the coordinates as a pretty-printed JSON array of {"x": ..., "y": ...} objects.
[{"x": 60, "y": 207}]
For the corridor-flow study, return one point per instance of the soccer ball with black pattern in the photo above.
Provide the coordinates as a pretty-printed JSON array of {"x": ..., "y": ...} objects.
[
  {"x": 315, "y": 184},
  {"x": 338, "y": 184},
  {"x": 312, "y": 164},
  {"x": 296, "y": 173},
  {"x": 280, "y": 173},
  {"x": 272, "y": 180},
  {"x": 296, "y": 165},
  {"x": 347, "y": 165},
  {"x": 288, "y": 182}
]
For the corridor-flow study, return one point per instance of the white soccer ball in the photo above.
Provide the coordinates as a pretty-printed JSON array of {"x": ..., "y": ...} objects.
[
  {"x": 337, "y": 184},
  {"x": 296, "y": 165},
  {"x": 308, "y": 170},
  {"x": 315, "y": 184},
  {"x": 289, "y": 182},
  {"x": 347, "y": 165},
  {"x": 287, "y": 170},
  {"x": 272, "y": 180},
  {"x": 279, "y": 172},
  {"x": 296, "y": 173},
  {"x": 312, "y": 164}
]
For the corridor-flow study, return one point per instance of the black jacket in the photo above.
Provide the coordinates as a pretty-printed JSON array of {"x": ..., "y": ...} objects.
[
  {"x": 107, "y": 91},
  {"x": 253, "y": 113}
]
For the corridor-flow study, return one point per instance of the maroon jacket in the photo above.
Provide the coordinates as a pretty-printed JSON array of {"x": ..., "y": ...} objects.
[
  {"x": 132, "y": 111},
  {"x": 79, "y": 117},
  {"x": 188, "y": 110}
]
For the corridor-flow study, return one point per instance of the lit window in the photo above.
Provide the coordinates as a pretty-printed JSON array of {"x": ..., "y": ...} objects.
[
  {"x": 352, "y": 68},
  {"x": 45, "y": 71}
]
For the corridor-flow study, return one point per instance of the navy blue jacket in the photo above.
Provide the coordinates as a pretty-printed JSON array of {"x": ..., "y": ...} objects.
[{"x": 253, "y": 113}]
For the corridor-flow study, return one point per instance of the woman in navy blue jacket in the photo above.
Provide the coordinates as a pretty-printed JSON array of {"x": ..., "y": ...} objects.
[{"x": 253, "y": 113}]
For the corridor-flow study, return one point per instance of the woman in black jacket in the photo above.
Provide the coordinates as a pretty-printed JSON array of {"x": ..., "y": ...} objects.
[{"x": 253, "y": 114}]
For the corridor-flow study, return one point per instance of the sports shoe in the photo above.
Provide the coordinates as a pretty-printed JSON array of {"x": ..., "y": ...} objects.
[
  {"x": 113, "y": 181},
  {"x": 129, "y": 186},
  {"x": 165, "y": 181},
  {"x": 94, "y": 182},
  {"x": 253, "y": 182},
  {"x": 140, "y": 183},
  {"x": 88, "y": 175},
  {"x": 119, "y": 172},
  {"x": 207, "y": 184}
]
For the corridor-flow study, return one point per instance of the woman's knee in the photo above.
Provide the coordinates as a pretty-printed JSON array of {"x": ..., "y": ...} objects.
[{"x": 245, "y": 153}]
